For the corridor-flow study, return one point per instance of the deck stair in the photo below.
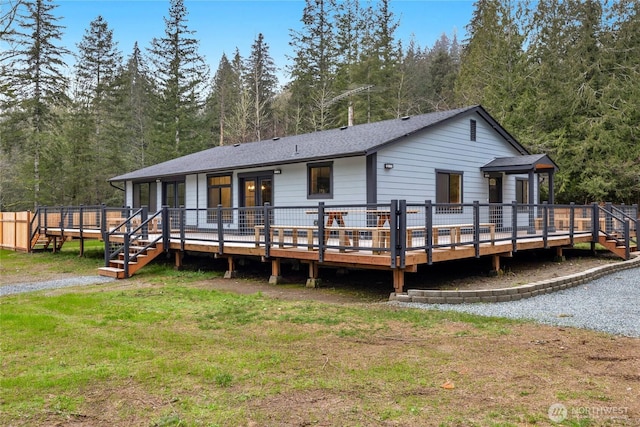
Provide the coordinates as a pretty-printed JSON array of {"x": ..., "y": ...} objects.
[
  {"x": 616, "y": 245},
  {"x": 139, "y": 256},
  {"x": 41, "y": 242}
]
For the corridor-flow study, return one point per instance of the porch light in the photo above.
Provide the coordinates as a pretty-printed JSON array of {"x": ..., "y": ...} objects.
[
  {"x": 388, "y": 166},
  {"x": 277, "y": 171},
  {"x": 487, "y": 175}
]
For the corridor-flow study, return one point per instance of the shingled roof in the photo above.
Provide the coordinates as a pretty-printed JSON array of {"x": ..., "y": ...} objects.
[{"x": 356, "y": 140}]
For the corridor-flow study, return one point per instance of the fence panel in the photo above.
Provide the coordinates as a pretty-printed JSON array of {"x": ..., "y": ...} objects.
[{"x": 14, "y": 230}]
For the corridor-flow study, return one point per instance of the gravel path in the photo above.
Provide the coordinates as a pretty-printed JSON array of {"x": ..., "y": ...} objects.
[
  {"x": 610, "y": 304},
  {"x": 18, "y": 288}
]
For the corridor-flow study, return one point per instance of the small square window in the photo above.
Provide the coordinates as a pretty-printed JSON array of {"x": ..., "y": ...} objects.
[
  {"x": 320, "y": 180},
  {"x": 449, "y": 190}
]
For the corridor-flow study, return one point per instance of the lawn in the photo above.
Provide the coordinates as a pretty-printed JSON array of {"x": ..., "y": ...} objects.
[{"x": 168, "y": 349}]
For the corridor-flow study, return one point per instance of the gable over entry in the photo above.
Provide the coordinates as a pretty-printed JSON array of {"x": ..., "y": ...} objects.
[{"x": 531, "y": 164}]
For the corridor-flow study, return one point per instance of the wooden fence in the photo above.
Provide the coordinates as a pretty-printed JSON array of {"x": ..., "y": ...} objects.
[{"x": 14, "y": 230}]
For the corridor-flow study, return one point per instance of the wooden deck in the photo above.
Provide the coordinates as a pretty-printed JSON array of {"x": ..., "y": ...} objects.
[{"x": 349, "y": 244}]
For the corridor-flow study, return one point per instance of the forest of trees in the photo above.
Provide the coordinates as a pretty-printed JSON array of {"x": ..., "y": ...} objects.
[{"x": 563, "y": 77}]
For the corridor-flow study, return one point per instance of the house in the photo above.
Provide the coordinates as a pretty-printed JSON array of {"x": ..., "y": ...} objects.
[{"x": 456, "y": 156}]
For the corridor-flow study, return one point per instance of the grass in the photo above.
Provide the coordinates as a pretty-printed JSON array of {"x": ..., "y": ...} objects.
[{"x": 163, "y": 352}]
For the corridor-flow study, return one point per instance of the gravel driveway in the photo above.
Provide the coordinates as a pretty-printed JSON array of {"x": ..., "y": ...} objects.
[
  {"x": 610, "y": 304},
  {"x": 18, "y": 288}
]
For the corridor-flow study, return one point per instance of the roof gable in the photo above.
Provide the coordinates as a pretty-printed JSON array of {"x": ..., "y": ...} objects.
[{"x": 342, "y": 142}]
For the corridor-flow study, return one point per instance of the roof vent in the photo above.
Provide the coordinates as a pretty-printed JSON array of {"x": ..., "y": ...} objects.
[
  {"x": 405, "y": 118},
  {"x": 275, "y": 138},
  {"x": 344, "y": 127},
  {"x": 237, "y": 144}
]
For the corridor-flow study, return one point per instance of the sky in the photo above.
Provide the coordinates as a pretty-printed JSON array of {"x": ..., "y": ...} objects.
[{"x": 223, "y": 25}]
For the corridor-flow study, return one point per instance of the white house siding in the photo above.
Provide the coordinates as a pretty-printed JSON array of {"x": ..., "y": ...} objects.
[
  {"x": 349, "y": 184},
  {"x": 446, "y": 146}
]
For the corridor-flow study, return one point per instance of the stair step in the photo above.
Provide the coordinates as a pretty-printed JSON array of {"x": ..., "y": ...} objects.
[
  {"x": 121, "y": 262},
  {"x": 116, "y": 273}
]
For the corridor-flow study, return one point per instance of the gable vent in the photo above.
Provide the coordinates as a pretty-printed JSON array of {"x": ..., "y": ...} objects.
[{"x": 472, "y": 130}]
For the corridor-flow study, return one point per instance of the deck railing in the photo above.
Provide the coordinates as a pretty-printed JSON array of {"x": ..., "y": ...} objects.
[{"x": 390, "y": 229}]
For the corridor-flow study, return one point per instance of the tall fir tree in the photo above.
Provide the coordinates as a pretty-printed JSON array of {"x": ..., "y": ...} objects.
[
  {"x": 314, "y": 65},
  {"x": 261, "y": 82},
  {"x": 35, "y": 92},
  {"x": 181, "y": 74},
  {"x": 98, "y": 154}
]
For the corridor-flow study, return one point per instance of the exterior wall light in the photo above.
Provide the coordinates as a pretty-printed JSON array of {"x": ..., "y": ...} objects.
[
  {"x": 277, "y": 171},
  {"x": 388, "y": 165}
]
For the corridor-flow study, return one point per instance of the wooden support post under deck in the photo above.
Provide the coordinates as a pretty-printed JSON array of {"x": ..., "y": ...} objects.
[
  {"x": 81, "y": 247},
  {"x": 313, "y": 281},
  {"x": 231, "y": 270},
  {"x": 495, "y": 264},
  {"x": 560, "y": 254},
  {"x": 178, "y": 256},
  {"x": 398, "y": 280},
  {"x": 276, "y": 274}
]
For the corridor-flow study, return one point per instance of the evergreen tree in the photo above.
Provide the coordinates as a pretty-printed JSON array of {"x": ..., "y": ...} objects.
[
  {"x": 314, "y": 65},
  {"x": 222, "y": 99},
  {"x": 493, "y": 61},
  {"x": 380, "y": 66},
  {"x": 98, "y": 154},
  {"x": 260, "y": 80},
  {"x": 35, "y": 89},
  {"x": 135, "y": 99},
  {"x": 181, "y": 74}
]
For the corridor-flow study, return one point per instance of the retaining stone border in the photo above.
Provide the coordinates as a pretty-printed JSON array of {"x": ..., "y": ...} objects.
[{"x": 515, "y": 293}]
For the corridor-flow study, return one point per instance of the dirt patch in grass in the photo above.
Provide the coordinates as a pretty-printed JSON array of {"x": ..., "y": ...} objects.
[{"x": 508, "y": 379}]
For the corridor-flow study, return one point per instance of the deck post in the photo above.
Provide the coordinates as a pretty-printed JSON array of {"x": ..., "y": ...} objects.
[
  {"x": 267, "y": 235},
  {"x": 514, "y": 225},
  {"x": 81, "y": 225},
  {"x": 532, "y": 224},
  {"x": 322, "y": 237},
  {"x": 595, "y": 224},
  {"x": 560, "y": 254},
  {"x": 179, "y": 255},
  {"x": 220, "y": 224},
  {"x": 398, "y": 280},
  {"x": 231, "y": 269},
  {"x": 103, "y": 219},
  {"x": 166, "y": 227},
  {"x": 476, "y": 227},
  {"x": 428, "y": 220},
  {"x": 401, "y": 242},
  {"x": 545, "y": 224},
  {"x": 313, "y": 281},
  {"x": 183, "y": 213},
  {"x": 495, "y": 264},
  {"x": 627, "y": 239},
  {"x": 572, "y": 221},
  {"x": 393, "y": 229},
  {"x": 276, "y": 272}
]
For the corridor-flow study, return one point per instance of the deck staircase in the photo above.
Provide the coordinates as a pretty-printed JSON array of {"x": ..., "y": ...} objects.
[
  {"x": 41, "y": 242},
  {"x": 615, "y": 244},
  {"x": 139, "y": 256}
]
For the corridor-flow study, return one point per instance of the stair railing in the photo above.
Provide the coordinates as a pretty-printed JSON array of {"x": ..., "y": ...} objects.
[
  {"x": 34, "y": 228},
  {"x": 618, "y": 225},
  {"x": 130, "y": 236}
]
